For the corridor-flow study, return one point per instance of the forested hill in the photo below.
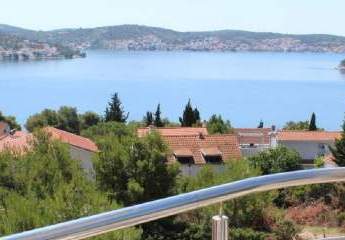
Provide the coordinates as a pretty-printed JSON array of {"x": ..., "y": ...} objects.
[{"x": 135, "y": 37}]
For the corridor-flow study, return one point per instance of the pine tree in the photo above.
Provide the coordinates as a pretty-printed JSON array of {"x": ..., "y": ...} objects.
[
  {"x": 312, "y": 124},
  {"x": 158, "y": 120},
  {"x": 261, "y": 124},
  {"x": 114, "y": 111},
  {"x": 338, "y": 150},
  {"x": 148, "y": 119},
  {"x": 196, "y": 115},
  {"x": 190, "y": 116}
]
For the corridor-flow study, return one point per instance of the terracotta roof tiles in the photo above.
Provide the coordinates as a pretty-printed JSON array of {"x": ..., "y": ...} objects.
[
  {"x": 227, "y": 144},
  {"x": 308, "y": 135}
]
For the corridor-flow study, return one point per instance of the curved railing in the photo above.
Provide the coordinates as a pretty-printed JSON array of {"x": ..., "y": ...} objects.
[{"x": 146, "y": 212}]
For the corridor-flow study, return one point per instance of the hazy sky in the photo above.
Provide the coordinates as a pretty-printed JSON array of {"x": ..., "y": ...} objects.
[{"x": 286, "y": 16}]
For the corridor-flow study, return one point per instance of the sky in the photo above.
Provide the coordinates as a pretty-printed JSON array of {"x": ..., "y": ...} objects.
[{"x": 284, "y": 16}]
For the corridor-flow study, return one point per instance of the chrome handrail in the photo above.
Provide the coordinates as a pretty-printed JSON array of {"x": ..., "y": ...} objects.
[{"x": 146, "y": 212}]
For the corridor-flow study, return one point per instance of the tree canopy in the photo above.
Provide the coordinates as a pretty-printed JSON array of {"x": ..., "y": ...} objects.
[
  {"x": 275, "y": 160},
  {"x": 190, "y": 116},
  {"x": 48, "y": 187},
  {"x": 114, "y": 111},
  {"x": 158, "y": 119},
  {"x": 66, "y": 118},
  {"x": 312, "y": 124},
  {"x": 338, "y": 150},
  {"x": 301, "y": 125},
  {"x": 216, "y": 125},
  {"x": 11, "y": 121}
]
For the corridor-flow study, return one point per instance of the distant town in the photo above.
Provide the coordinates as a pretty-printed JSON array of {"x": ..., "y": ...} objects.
[{"x": 70, "y": 43}]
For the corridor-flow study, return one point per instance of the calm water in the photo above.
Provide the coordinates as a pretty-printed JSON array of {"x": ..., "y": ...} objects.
[{"x": 243, "y": 87}]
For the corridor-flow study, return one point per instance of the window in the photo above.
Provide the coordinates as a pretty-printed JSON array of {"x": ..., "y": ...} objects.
[
  {"x": 185, "y": 159},
  {"x": 184, "y": 156},
  {"x": 213, "y": 159},
  {"x": 212, "y": 155}
]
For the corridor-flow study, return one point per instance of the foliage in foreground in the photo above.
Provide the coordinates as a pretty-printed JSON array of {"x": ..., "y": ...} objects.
[{"x": 45, "y": 186}]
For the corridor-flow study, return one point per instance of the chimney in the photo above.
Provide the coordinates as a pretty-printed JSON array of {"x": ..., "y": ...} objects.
[{"x": 273, "y": 128}]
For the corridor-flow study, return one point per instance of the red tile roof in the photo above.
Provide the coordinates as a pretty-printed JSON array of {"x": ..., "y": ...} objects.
[
  {"x": 227, "y": 144},
  {"x": 253, "y": 135},
  {"x": 308, "y": 135},
  {"x": 173, "y": 131},
  {"x": 19, "y": 141},
  {"x": 72, "y": 139}
]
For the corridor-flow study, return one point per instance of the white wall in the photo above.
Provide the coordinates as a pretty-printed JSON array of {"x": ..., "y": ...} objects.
[
  {"x": 85, "y": 158},
  {"x": 308, "y": 150}
]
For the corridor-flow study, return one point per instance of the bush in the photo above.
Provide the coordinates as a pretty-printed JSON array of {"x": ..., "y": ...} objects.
[
  {"x": 286, "y": 230},
  {"x": 280, "y": 159},
  {"x": 246, "y": 234}
]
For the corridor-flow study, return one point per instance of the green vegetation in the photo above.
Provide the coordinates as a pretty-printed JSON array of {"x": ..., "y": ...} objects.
[
  {"x": 10, "y": 120},
  {"x": 312, "y": 124},
  {"x": 131, "y": 169},
  {"x": 48, "y": 187},
  {"x": 155, "y": 119},
  {"x": 216, "y": 125},
  {"x": 280, "y": 159},
  {"x": 338, "y": 150},
  {"x": 190, "y": 117},
  {"x": 66, "y": 118},
  {"x": 261, "y": 124},
  {"x": 303, "y": 125},
  {"x": 114, "y": 111}
]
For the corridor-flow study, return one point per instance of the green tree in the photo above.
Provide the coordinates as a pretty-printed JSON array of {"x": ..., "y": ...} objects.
[
  {"x": 301, "y": 125},
  {"x": 312, "y": 124},
  {"x": 68, "y": 119},
  {"x": 47, "y": 117},
  {"x": 338, "y": 150},
  {"x": 148, "y": 119},
  {"x": 114, "y": 111},
  {"x": 158, "y": 120},
  {"x": 131, "y": 169},
  {"x": 190, "y": 116},
  {"x": 48, "y": 187},
  {"x": 261, "y": 124},
  {"x": 280, "y": 159},
  {"x": 89, "y": 119},
  {"x": 216, "y": 125},
  {"x": 11, "y": 121}
]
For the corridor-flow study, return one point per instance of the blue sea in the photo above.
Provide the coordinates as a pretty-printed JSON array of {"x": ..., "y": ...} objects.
[{"x": 243, "y": 87}]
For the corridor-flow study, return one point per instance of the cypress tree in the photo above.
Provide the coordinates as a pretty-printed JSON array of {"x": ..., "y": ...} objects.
[
  {"x": 114, "y": 111},
  {"x": 261, "y": 124},
  {"x": 312, "y": 124},
  {"x": 148, "y": 119},
  {"x": 338, "y": 150},
  {"x": 158, "y": 120},
  {"x": 190, "y": 116}
]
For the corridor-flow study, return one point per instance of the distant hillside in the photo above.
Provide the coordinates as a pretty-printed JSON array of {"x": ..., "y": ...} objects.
[
  {"x": 135, "y": 37},
  {"x": 17, "y": 44}
]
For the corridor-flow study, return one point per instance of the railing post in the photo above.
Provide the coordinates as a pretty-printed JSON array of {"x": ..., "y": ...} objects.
[{"x": 220, "y": 227}]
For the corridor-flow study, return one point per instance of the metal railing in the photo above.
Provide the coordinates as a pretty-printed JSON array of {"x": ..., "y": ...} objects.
[{"x": 130, "y": 216}]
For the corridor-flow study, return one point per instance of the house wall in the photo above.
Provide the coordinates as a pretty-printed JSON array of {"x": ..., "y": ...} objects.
[
  {"x": 307, "y": 149},
  {"x": 85, "y": 158}
]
